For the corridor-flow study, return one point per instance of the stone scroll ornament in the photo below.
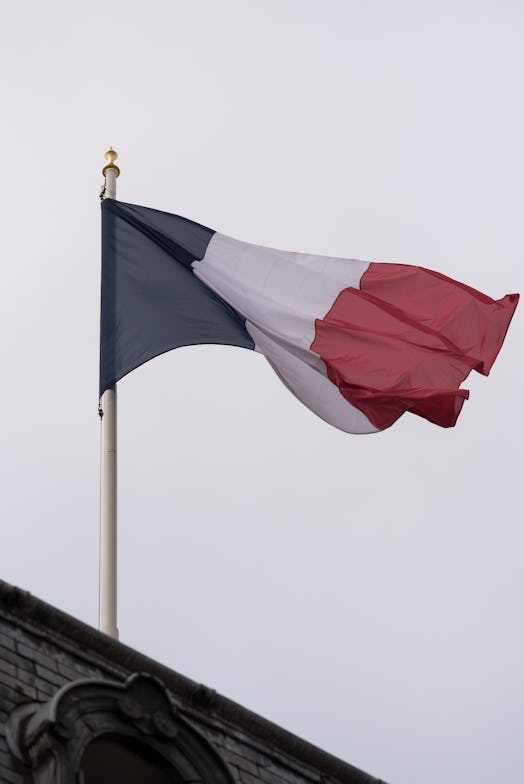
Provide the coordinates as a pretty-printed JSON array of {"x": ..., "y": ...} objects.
[{"x": 50, "y": 738}]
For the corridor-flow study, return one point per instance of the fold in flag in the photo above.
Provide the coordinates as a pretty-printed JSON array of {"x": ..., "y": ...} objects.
[{"x": 359, "y": 343}]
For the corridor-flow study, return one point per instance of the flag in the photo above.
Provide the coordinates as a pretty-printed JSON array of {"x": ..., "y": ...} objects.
[{"x": 359, "y": 343}]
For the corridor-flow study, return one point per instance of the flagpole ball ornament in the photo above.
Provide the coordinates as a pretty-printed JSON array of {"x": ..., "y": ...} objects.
[{"x": 111, "y": 156}]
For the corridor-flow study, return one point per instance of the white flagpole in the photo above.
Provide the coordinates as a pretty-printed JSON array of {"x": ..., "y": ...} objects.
[{"x": 108, "y": 529}]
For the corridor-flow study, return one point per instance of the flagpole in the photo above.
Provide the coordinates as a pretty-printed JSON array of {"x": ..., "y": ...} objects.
[{"x": 108, "y": 506}]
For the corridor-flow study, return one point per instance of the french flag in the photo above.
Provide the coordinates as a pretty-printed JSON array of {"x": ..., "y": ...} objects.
[{"x": 358, "y": 343}]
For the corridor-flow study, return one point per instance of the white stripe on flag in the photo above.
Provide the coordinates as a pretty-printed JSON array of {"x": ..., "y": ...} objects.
[{"x": 282, "y": 293}]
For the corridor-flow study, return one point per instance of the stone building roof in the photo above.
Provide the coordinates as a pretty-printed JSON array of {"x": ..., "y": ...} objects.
[{"x": 42, "y": 649}]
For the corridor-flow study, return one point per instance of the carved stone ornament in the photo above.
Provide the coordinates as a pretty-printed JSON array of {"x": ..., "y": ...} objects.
[{"x": 50, "y": 738}]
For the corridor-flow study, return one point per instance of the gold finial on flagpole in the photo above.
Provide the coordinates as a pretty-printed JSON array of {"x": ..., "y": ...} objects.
[{"x": 111, "y": 157}]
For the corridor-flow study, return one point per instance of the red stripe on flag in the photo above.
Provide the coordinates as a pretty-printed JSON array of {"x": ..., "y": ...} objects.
[{"x": 407, "y": 339}]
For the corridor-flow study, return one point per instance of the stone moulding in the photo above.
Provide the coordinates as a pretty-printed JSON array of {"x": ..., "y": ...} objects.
[{"x": 50, "y": 738}]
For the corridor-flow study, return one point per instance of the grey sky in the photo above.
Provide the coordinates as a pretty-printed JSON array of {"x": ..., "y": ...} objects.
[{"x": 364, "y": 592}]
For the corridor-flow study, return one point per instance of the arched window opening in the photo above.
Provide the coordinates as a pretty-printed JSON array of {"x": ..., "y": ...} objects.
[
  {"x": 106, "y": 732},
  {"x": 115, "y": 760}
]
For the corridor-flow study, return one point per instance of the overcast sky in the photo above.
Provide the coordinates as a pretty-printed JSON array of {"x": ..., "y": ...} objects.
[{"x": 365, "y": 592}]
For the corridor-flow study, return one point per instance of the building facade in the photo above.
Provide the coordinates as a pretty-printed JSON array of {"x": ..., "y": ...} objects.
[{"x": 77, "y": 707}]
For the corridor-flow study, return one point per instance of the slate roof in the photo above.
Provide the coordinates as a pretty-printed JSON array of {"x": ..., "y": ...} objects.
[{"x": 42, "y": 648}]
